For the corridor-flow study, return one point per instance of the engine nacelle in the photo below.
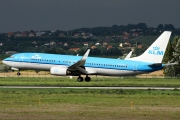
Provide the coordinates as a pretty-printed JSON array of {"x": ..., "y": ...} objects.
[{"x": 58, "y": 71}]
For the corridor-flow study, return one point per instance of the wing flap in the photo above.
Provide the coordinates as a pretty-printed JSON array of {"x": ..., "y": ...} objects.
[{"x": 82, "y": 70}]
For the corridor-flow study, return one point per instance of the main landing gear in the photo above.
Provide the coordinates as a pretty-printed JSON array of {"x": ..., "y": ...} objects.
[{"x": 87, "y": 79}]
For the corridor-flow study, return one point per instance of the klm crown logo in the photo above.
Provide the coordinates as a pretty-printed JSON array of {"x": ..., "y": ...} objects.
[
  {"x": 156, "y": 48},
  {"x": 156, "y": 51}
]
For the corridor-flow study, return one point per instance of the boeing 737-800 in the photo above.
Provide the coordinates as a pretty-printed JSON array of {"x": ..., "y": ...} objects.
[{"x": 62, "y": 65}]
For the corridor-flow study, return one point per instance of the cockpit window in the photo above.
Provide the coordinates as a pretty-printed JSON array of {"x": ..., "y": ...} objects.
[{"x": 11, "y": 56}]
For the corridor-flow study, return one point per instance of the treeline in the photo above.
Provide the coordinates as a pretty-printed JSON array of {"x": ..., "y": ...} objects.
[
  {"x": 113, "y": 30},
  {"x": 140, "y": 27},
  {"x": 53, "y": 41}
]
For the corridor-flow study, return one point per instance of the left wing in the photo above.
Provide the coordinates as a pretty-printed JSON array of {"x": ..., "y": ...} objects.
[{"x": 79, "y": 66}]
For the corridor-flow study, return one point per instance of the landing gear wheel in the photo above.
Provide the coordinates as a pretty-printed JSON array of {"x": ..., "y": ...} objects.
[
  {"x": 18, "y": 74},
  {"x": 80, "y": 79},
  {"x": 87, "y": 79}
]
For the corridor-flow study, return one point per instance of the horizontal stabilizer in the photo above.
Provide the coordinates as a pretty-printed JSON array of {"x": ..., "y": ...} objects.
[
  {"x": 155, "y": 65},
  {"x": 168, "y": 64}
]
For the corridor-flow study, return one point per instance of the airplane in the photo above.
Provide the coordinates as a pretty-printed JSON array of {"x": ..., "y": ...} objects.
[{"x": 64, "y": 65}]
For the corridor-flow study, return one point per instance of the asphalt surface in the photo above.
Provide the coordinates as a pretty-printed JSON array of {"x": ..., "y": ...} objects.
[{"x": 125, "y": 88}]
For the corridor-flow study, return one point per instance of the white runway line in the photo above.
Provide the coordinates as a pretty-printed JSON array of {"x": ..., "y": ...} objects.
[{"x": 125, "y": 88}]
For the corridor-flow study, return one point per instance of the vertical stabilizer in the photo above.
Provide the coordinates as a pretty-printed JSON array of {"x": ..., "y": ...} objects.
[{"x": 155, "y": 53}]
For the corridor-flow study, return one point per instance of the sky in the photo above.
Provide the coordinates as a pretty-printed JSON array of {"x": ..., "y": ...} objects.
[{"x": 37, "y": 15}]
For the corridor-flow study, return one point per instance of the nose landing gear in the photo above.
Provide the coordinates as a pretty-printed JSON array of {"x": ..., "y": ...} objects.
[{"x": 18, "y": 73}]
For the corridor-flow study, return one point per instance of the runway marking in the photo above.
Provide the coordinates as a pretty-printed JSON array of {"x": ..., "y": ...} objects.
[{"x": 125, "y": 88}]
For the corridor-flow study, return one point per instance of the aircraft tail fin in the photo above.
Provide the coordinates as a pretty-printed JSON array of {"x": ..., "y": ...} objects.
[{"x": 155, "y": 53}]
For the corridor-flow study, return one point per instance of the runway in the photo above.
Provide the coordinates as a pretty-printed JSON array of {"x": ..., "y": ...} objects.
[{"x": 124, "y": 88}]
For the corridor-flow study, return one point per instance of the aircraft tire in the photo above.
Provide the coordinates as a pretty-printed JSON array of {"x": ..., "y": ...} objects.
[
  {"x": 18, "y": 74},
  {"x": 80, "y": 79},
  {"x": 87, "y": 79}
]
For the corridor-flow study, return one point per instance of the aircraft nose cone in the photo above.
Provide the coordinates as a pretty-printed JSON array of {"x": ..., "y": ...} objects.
[{"x": 4, "y": 62}]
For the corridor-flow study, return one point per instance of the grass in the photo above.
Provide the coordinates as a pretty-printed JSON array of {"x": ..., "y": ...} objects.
[
  {"x": 96, "y": 81},
  {"x": 89, "y": 104}
]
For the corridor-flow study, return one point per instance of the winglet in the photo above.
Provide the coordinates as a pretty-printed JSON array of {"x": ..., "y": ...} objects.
[
  {"x": 128, "y": 56},
  {"x": 85, "y": 55}
]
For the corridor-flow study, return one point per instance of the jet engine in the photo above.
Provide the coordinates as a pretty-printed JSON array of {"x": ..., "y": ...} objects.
[{"x": 59, "y": 71}]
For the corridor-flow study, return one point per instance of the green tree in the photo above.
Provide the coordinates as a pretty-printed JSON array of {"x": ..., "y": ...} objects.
[
  {"x": 168, "y": 54},
  {"x": 174, "y": 70},
  {"x": 160, "y": 27}
]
